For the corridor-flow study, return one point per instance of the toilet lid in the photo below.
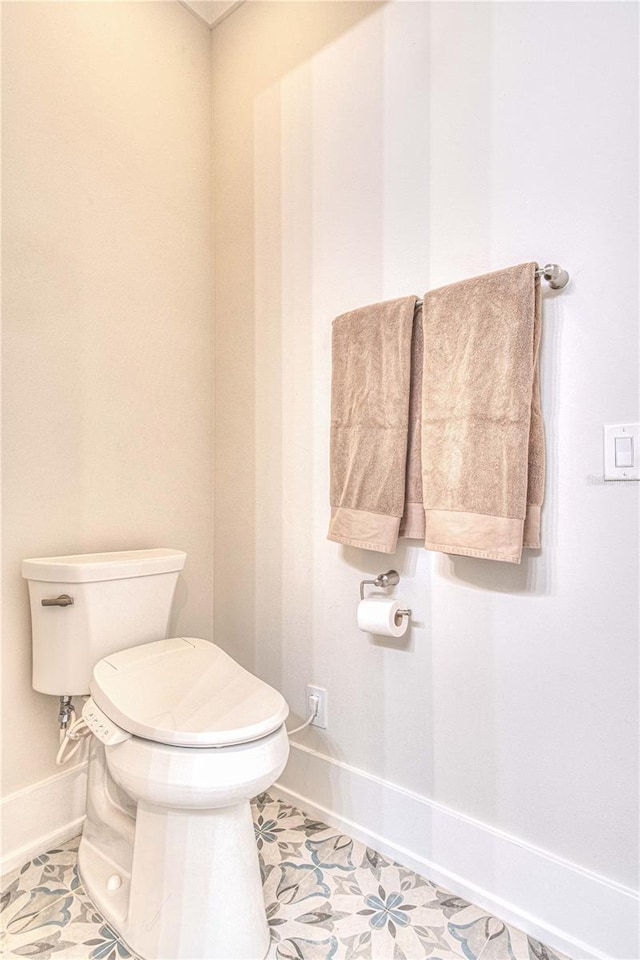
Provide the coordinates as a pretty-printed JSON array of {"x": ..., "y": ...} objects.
[{"x": 185, "y": 691}]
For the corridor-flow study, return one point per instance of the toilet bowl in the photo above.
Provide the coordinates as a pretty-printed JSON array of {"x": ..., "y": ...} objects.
[
  {"x": 183, "y": 738},
  {"x": 190, "y": 737}
]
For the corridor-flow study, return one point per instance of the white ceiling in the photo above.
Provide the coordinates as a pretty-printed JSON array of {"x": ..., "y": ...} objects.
[{"x": 211, "y": 11}]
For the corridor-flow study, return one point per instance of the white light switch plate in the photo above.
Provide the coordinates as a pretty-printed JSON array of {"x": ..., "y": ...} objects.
[{"x": 622, "y": 451}]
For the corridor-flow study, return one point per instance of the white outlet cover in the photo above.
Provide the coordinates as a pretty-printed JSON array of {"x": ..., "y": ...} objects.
[
  {"x": 321, "y": 719},
  {"x": 621, "y": 451}
]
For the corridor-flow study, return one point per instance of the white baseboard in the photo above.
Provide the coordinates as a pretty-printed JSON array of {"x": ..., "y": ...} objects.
[
  {"x": 42, "y": 815},
  {"x": 565, "y": 906}
]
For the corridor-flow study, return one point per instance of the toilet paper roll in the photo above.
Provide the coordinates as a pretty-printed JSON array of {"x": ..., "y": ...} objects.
[{"x": 378, "y": 615}]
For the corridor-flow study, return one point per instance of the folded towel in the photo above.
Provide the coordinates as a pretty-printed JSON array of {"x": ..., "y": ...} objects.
[
  {"x": 482, "y": 431},
  {"x": 370, "y": 400},
  {"x": 412, "y": 525}
]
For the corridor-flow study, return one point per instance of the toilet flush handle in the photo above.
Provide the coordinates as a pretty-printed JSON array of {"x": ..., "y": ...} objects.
[{"x": 64, "y": 600}]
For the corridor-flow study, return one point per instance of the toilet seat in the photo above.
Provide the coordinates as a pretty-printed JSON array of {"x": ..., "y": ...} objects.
[{"x": 187, "y": 692}]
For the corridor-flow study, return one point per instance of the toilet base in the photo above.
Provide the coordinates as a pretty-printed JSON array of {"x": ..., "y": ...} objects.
[
  {"x": 214, "y": 910},
  {"x": 179, "y": 882}
]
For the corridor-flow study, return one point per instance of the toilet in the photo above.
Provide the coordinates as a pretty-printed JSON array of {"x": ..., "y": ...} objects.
[{"x": 183, "y": 738}]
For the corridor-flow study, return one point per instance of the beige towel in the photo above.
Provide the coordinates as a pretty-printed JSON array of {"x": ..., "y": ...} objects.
[
  {"x": 412, "y": 525},
  {"x": 482, "y": 432},
  {"x": 371, "y": 394}
]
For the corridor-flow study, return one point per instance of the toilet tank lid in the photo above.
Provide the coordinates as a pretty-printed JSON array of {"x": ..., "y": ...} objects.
[{"x": 91, "y": 567}]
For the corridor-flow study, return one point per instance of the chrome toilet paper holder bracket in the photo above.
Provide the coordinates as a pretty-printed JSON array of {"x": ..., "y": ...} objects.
[{"x": 389, "y": 579}]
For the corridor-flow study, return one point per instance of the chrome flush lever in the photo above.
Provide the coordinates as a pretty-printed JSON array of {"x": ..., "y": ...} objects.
[{"x": 64, "y": 600}]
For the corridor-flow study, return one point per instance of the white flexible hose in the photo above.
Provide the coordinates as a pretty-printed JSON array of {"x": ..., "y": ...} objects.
[
  {"x": 73, "y": 732},
  {"x": 316, "y": 707}
]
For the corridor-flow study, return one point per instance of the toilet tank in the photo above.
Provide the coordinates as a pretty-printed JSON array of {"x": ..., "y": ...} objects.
[{"x": 119, "y": 600}]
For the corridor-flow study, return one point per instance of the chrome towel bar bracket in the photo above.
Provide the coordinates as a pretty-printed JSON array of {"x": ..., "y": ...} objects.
[{"x": 553, "y": 273}]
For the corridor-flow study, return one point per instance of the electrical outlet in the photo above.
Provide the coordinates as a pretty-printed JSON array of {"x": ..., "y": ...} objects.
[{"x": 321, "y": 693}]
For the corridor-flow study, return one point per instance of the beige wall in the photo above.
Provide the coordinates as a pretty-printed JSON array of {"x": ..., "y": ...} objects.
[
  {"x": 107, "y": 309},
  {"x": 367, "y": 152}
]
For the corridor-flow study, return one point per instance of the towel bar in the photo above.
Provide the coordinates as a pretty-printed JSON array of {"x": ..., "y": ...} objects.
[{"x": 553, "y": 273}]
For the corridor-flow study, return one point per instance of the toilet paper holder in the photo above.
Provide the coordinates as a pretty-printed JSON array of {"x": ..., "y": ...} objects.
[{"x": 389, "y": 579}]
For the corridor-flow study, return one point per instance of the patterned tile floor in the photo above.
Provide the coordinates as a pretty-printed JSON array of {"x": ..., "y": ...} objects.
[{"x": 328, "y": 898}]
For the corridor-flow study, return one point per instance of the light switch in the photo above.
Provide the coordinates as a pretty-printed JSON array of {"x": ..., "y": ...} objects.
[{"x": 622, "y": 451}]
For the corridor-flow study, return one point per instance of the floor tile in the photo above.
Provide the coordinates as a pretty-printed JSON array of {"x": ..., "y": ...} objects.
[
  {"x": 328, "y": 897},
  {"x": 52, "y": 867}
]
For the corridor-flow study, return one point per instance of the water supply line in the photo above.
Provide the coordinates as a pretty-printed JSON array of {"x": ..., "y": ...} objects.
[
  {"x": 66, "y": 715},
  {"x": 71, "y": 731}
]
